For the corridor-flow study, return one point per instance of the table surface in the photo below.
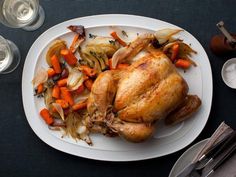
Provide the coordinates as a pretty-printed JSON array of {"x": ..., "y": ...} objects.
[{"x": 22, "y": 153}]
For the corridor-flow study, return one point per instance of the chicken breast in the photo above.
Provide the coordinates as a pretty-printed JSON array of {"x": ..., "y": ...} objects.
[{"x": 150, "y": 89}]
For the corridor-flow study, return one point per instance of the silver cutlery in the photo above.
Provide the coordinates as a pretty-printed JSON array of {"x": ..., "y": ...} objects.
[{"x": 221, "y": 147}]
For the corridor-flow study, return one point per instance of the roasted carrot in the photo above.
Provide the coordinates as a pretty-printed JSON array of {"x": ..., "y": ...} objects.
[
  {"x": 69, "y": 57},
  {"x": 40, "y": 88},
  {"x": 72, "y": 46},
  {"x": 44, "y": 113},
  {"x": 181, "y": 63},
  {"x": 51, "y": 72},
  {"x": 66, "y": 95},
  {"x": 175, "y": 51},
  {"x": 88, "y": 71},
  {"x": 64, "y": 104},
  {"x": 89, "y": 83},
  {"x": 116, "y": 37},
  {"x": 122, "y": 66},
  {"x": 56, "y": 92},
  {"x": 80, "y": 89},
  {"x": 56, "y": 64},
  {"x": 79, "y": 106},
  {"x": 62, "y": 82}
]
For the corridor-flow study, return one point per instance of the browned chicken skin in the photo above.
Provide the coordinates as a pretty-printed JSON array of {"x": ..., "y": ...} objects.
[
  {"x": 129, "y": 102},
  {"x": 150, "y": 89}
]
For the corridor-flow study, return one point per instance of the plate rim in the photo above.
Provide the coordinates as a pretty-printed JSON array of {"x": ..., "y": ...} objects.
[{"x": 109, "y": 157}]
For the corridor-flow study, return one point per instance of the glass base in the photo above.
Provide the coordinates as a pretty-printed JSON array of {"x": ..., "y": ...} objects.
[
  {"x": 15, "y": 61},
  {"x": 38, "y": 22}
]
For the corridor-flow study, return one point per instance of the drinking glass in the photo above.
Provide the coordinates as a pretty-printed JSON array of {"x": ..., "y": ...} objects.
[
  {"x": 26, "y": 14},
  {"x": 9, "y": 56}
]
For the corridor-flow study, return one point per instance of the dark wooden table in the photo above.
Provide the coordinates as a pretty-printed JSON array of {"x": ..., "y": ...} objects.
[{"x": 22, "y": 153}]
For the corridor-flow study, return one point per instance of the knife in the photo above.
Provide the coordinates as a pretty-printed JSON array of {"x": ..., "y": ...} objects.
[
  {"x": 204, "y": 158},
  {"x": 216, "y": 151},
  {"x": 223, "y": 158}
]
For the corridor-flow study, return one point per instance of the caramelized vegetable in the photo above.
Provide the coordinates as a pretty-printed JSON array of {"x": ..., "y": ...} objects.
[
  {"x": 87, "y": 70},
  {"x": 175, "y": 51},
  {"x": 46, "y": 116},
  {"x": 51, "y": 72},
  {"x": 116, "y": 37},
  {"x": 40, "y": 88},
  {"x": 79, "y": 106},
  {"x": 40, "y": 77},
  {"x": 181, "y": 63},
  {"x": 69, "y": 57},
  {"x": 56, "y": 92},
  {"x": 54, "y": 49},
  {"x": 66, "y": 95},
  {"x": 64, "y": 104},
  {"x": 62, "y": 82},
  {"x": 75, "y": 79},
  {"x": 56, "y": 64},
  {"x": 79, "y": 37}
]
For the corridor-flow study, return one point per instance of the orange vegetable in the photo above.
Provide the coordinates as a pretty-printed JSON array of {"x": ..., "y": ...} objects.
[
  {"x": 66, "y": 95},
  {"x": 62, "y": 82},
  {"x": 80, "y": 89},
  {"x": 51, "y": 72},
  {"x": 175, "y": 51},
  {"x": 40, "y": 88},
  {"x": 64, "y": 104},
  {"x": 44, "y": 113},
  {"x": 69, "y": 57},
  {"x": 181, "y": 63},
  {"x": 56, "y": 92},
  {"x": 122, "y": 66},
  {"x": 72, "y": 46},
  {"x": 56, "y": 64},
  {"x": 89, "y": 83},
  {"x": 79, "y": 106},
  {"x": 116, "y": 37},
  {"x": 88, "y": 71}
]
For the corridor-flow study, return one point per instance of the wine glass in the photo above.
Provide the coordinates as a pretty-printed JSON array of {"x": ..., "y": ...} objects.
[
  {"x": 9, "y": 56},
  {"x": 26, "y": 14}
]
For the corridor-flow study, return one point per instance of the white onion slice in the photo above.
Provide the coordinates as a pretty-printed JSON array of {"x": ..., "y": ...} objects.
[
  {"x": 75, "y": 79},
  {"x": 167, "y": 46},
  {"x": 40, "y": 77},
  {"x": 163, "y": 35},
  {"x": 59, "y": 110},
  {"x": 118, "y": 56}
]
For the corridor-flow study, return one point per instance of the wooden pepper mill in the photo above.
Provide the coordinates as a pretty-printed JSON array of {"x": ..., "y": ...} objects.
[{"x": 222, "y": 44}]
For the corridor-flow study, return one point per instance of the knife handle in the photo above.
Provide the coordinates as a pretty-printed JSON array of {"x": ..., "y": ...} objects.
[
  {"x": 214, "y": 148},
  {"x": 227, "y": 143},
  {"x": 225, "y": 157}
]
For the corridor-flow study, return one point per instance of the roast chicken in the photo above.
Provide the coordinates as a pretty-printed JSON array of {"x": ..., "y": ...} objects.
[{"x": 129, "y": 102}]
